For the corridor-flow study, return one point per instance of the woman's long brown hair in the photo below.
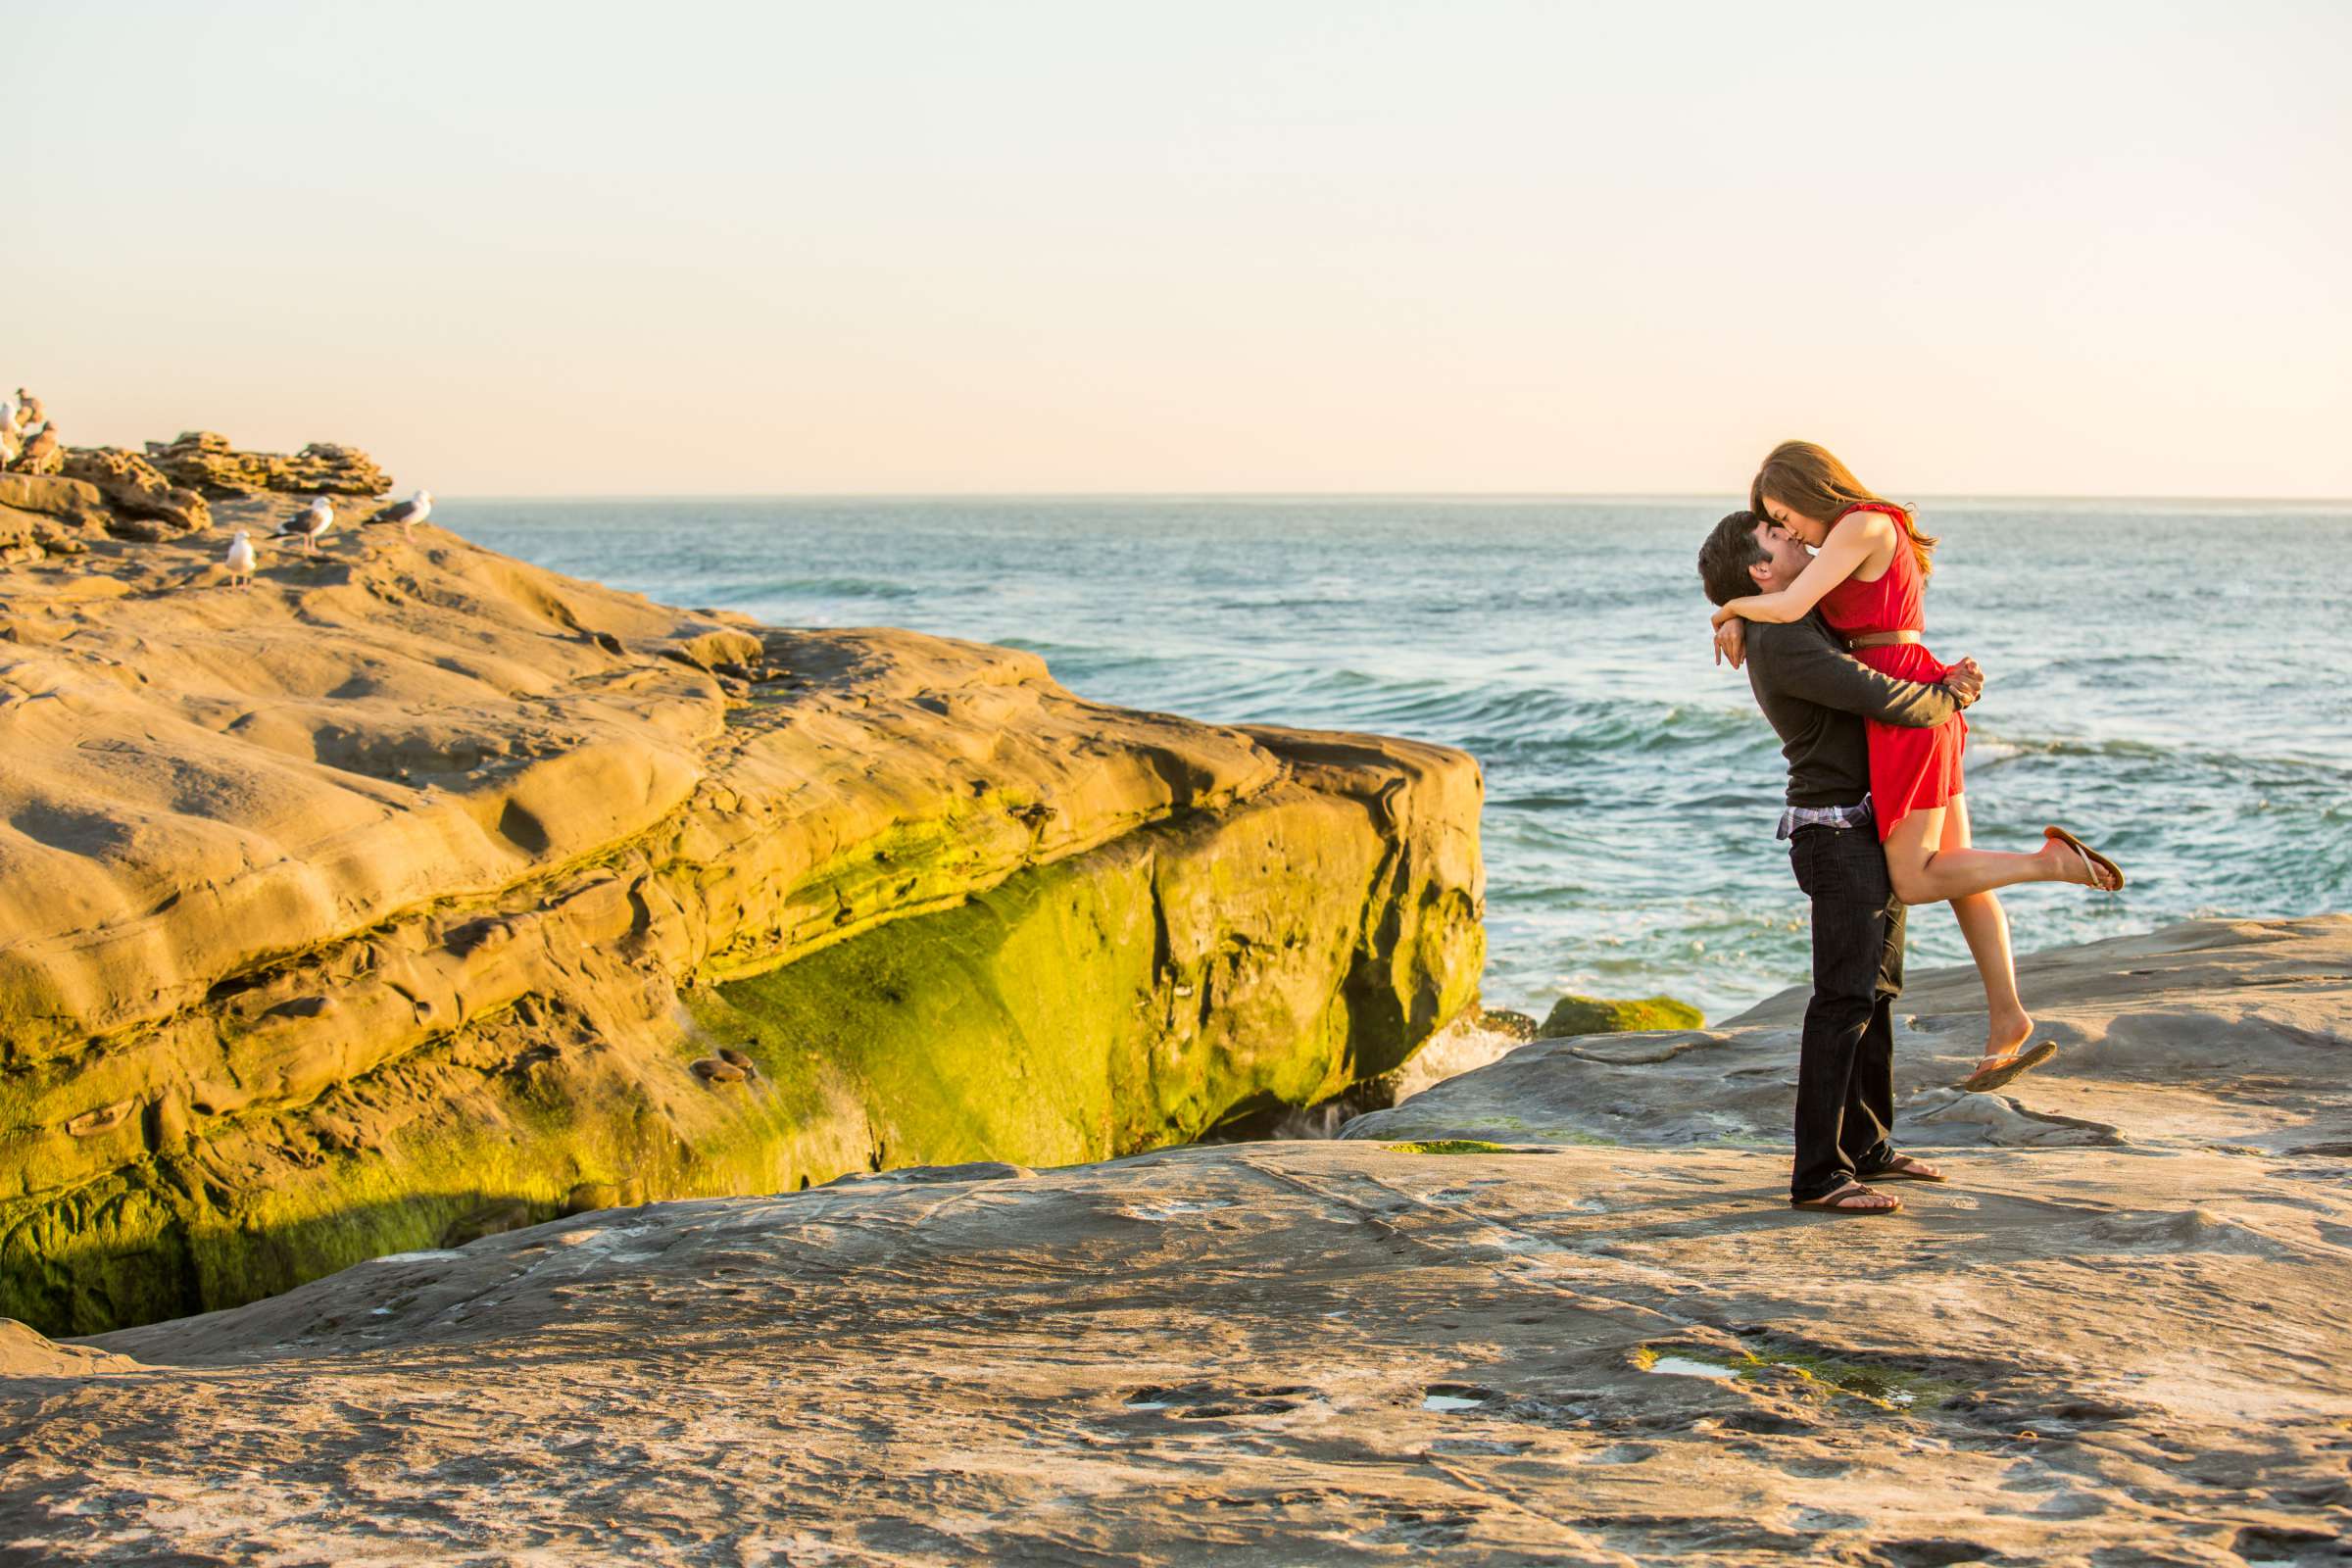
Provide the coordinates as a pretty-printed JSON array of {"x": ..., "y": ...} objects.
[{"x": 1811, "y": 483}]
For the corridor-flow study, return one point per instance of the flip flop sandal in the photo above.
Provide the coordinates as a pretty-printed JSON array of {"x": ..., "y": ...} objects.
[
  {"x": 1985, "y": 1079},
  {"x": 1827, "y": 1202},
  {"x": 2098, "y": 862},
  {"x": 1905, "y": 1170}
]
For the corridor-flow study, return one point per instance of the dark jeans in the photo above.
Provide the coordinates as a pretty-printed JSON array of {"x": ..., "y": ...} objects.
[{"x": 1846, "y": 1074}]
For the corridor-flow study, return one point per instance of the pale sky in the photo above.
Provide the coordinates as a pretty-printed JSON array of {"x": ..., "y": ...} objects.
[{"x": 866, "y": 246}]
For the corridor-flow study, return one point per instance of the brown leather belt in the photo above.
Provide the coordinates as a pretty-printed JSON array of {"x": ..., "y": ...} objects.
[{"x": 1881, "y": 639}]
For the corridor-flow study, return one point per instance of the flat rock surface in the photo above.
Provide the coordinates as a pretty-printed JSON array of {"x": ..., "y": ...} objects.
[
  {"x": 2120, "y": 1351},
  {"x": 2226, "y": 1035}
]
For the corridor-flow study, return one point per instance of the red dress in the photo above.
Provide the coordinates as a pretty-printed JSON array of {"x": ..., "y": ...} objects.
[{"x": 1910, "y": 769}]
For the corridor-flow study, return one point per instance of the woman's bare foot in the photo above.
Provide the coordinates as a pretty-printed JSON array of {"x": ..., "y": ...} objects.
[
  {"x": 2004, "y": 1034},
  {"x": 2081, "y": 864},
  {"x": 2072, "y": 864},
  {"x": 1991, "y": 1075}
]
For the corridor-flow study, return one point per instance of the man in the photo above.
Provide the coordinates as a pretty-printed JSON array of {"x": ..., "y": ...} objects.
[{"x": 1816, "y": 696}]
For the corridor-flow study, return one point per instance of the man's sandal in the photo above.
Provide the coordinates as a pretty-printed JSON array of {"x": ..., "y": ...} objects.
[
  {"x": 1985, "y": 1079},
  {"x": 2106, "y": 876},
  {"x": 1903, "y": 1168},
  {"x": 1838, "y": 1202}
]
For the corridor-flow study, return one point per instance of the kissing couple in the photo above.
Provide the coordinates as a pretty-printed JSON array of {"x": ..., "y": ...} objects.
[{"x": 1820, "y": 587}]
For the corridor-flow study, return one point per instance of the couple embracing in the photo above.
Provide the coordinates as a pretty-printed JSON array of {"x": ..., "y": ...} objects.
[{"x": 1819, "y": 588}]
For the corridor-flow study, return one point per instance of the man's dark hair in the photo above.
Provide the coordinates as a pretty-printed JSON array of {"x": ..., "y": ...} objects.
[{"x": 1724, "y": 560}]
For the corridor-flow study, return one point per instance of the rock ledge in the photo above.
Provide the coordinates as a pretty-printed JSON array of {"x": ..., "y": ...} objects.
[{"x": 399, "y": 896}]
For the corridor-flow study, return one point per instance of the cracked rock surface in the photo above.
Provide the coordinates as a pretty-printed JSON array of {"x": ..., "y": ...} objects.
[{"x": 1577, "y": 1341}]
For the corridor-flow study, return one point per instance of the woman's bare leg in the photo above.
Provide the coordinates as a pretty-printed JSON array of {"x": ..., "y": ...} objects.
[
  {"x": 1926, "y": 872},
  {"x": 1986, "y": 925}
]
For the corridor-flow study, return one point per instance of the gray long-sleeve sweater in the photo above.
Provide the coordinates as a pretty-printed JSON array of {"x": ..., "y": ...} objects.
[{"x": 1816, "y": 695}]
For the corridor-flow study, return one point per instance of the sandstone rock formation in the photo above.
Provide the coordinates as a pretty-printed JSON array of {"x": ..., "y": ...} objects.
[
  {"x": 205, "y": 461},
  {"x": 44, "y": 515},
  {"x": 133, "y": 488},
  {"x": 2117, "y": 1336},
  {"x": 406, "y": 889}
]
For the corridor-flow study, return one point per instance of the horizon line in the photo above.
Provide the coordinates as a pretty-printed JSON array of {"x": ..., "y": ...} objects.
[{"x": 1343, "y": 495}]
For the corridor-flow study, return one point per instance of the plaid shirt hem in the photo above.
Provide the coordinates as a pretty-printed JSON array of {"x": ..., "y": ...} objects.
[{"x": 1796, "y": 816}]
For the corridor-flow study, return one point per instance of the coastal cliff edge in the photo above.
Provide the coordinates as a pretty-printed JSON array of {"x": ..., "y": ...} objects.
[{"x": 415, "y": 892}]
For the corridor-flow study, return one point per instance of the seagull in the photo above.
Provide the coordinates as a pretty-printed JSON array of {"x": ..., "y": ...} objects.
[
  {"x": 240, "y": 559},
  {"x": 12, "y": 415},
  {"x": 408, "y": 513},
  {"x": 32, "y": 406},
  {"x": 313, "y": 522}
]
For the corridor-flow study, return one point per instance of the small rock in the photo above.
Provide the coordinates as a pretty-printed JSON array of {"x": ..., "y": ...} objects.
[
  {"x": 734, "y": 1058},
  {"x": 1599, "y": 1015},
  {"x": 711, "y": 1069},
  {"x": 1510, "y": 1025}
]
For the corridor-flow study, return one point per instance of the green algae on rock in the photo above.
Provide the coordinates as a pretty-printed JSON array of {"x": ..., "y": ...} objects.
[
  {"x": 1126, "y": 997},
  {"x": 1600, "y": 1016},
  {"x": 1806, "y": 1373},
  {"x": 401, "y": 895}
]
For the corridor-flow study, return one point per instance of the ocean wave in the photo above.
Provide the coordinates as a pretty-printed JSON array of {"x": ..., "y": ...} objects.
[
  {"x": 2008, "y": 745},
  {"x": 1474, "y": 716},
  {"x": 2240, "y": 765},
  {"x": 827, "y": 587}
]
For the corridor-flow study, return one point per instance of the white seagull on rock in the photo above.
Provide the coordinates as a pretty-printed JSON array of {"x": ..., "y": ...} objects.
[
  {"x": 240, "y": 559},
  {"x": 314, "y": 522},
  {"x": 408, "y": 513}
]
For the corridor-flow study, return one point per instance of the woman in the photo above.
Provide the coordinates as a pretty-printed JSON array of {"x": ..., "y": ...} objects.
[{"x": 1867, "y": 578}]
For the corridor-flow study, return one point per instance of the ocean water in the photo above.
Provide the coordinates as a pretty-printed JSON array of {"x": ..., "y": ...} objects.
[{"x": 2172, "y": 680}]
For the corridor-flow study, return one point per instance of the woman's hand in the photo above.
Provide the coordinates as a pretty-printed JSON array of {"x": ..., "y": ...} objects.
[
  {"x": 1966, "y": 681},
  {"x": 1731, "y": 641}
]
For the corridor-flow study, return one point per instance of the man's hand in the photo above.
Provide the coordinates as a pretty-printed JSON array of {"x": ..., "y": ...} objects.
[
  {"x": 1731, "y": 641},
  {"x": 1966, "y": 682}
]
